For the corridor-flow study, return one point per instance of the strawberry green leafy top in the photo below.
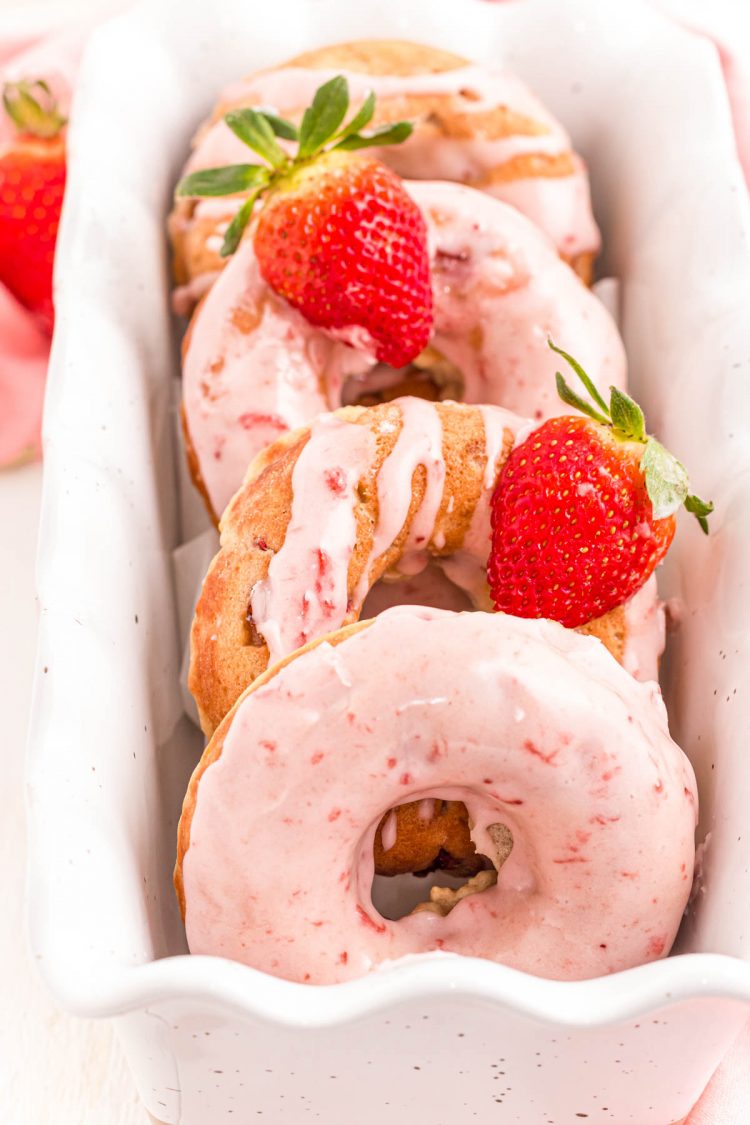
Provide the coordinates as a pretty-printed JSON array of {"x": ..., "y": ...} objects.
[
  {"x": 322, "y": 130},
  {"x": 32, "y": 108},
  {"x": 666, "y": 478}
]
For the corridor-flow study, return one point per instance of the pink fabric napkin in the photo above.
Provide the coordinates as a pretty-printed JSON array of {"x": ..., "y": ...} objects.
[
  {"x": 726, "y": 1100},
  {"x": 24, "y": 349},
  {"x": 727, "y": 24}
]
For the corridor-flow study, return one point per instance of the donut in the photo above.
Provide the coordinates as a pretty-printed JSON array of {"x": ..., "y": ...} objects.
[
  {"x": 575, "y": 791},
  {"x": 254, "y": 368},
  {"x": 434, "y": 835},
  {"x": 478, "y": 127},
  {"x": 325, "y": 513}
]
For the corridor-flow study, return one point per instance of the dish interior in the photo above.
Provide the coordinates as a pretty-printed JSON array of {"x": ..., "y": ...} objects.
[{"x": 676, "y": 237}]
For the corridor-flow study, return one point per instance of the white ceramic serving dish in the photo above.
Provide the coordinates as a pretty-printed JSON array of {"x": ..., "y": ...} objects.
[{"x": 439, "y": 1039}]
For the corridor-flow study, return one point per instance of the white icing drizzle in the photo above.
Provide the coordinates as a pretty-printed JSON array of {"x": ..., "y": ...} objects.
[
  {"x": 390, "y": 831},
  {"x": 426, "y": 808},
  {"x": 645, "y": 632},
  {"x": 305, "y": 591},
  {"x": 420, "y": 442}
]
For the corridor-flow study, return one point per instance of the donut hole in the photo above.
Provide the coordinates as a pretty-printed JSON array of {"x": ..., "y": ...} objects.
[
  {"x": 425, "y": 859},
  {"x": 430, "y": 587},
  {"x": 430, "y": 377},
  {"x": 397, "y": 896}
]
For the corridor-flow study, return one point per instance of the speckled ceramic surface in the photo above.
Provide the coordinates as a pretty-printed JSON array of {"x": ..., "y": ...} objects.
[{"x": 435, "y": 1038}]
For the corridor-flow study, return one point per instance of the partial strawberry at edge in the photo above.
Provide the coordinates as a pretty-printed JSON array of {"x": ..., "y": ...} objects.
[
  {"x": 583, "y": 511},
  {"x": 32, "y": 184},
  {"x": 338, "y": 236}
]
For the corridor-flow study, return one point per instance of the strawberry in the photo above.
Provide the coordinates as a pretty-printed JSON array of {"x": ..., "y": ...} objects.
[
  {"x": 343, "y": 242},
  {"x": 338, "y": 236},
  {"x": 584, "y": 510},
  {"x": 32, "y": 183}
]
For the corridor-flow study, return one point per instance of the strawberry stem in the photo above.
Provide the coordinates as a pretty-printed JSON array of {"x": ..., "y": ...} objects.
[
  {"x": 322, "y": 130},
  {"x": 570, "y": 398},
  {"x": 627, "y": 417},
  {"x": 585, "y": 379},
  {"x": 254, "y": 130},
  {"x": 229, "y": 180},
  {"x": 700, "y": 509},
  {"x": 281, "y": 127},
  {"x": 236, "y": 228},
  {"x": 665, "y": 477},
  {"x": 322, "y": 119},
  {"x": 385, "y": 135},
  {"x": 32, "y": 108},
  {"x": 361, "y": 119}
]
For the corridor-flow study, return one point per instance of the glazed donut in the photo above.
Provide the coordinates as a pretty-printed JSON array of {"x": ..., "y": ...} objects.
[
  {"x": 434, "y": 835},
  {"x": 474, "y": 126},
  {"x": 254, "y": 367},
  {"x": 568, "y": 757},
  {"x": 329, "y": 510}
]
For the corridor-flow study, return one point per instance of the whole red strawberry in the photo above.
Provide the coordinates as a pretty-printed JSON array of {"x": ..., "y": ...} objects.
[
  {"x": 32, "y": 183},
  {"x": 342, "y": 241},
  {"x": 584, "y": 511},
  {"x": 338, "y": 235}
]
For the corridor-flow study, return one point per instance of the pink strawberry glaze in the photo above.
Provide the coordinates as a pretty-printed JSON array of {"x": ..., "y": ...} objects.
[
  {"x": 499, "y": 288},
  {"x": 644, "y": 613},
  {"x": 645, "y": 632},
  {"x": 420, "y": 442},
  {"x": 533, "y": 726},
  {"x": 304, "y": 594},
  {"x": 560, "y": 206},
  {"x": 244, "y": 389}
]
